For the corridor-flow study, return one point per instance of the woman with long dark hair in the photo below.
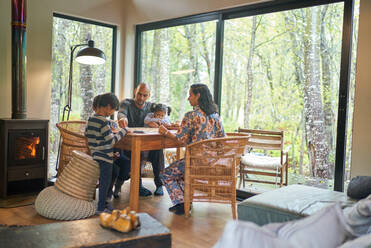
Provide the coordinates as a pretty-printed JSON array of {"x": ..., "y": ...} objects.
[{"x": 200, "y": 124}]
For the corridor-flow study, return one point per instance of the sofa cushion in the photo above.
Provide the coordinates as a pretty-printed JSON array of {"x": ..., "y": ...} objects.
[
  {"x": 239, "y": 234},
  {"x": 326, "y": 228},
  {"x": 288, "y": 203}
]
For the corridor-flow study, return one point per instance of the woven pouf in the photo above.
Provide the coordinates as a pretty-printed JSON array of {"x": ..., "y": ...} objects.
[
  {"x": 54, "y": 204},
  {"x": 79, "y": 177}
]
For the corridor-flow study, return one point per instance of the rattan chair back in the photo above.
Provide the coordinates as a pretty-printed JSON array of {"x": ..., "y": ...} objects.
[{"x": 211, "y": 170}]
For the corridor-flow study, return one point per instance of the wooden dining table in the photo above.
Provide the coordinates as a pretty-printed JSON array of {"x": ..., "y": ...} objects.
[{"x": 143, "y": 139}]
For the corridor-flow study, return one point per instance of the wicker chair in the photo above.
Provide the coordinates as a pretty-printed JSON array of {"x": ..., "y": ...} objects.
[
  {"x": 73, "y": 138},
  {"x": 211, "y": 170}
]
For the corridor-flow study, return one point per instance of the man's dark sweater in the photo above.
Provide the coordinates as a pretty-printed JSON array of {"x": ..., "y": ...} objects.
[{"x": 134, "y": 114}]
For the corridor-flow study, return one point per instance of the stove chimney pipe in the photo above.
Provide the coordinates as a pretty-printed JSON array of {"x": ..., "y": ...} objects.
[{"x": 19, "y": 59}]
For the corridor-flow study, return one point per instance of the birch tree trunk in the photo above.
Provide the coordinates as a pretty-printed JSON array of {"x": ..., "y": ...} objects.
[
  {"x": 183, "y": 99},
  {"x": 190, "y": 34},
  {"x": 296, "y": 40},
  {"x": 302, "y": 144},
  {"x": 250, "y": 76},
  {"x": 164, "y": 68},
  {"x": 155, "y": 65},
  {"x": 86, "y": 84},
  {"x": 313, "y": 110},
  {"x": 58, "y": 81},
  {"x": 145, "y": 59},
  {"x": 329, "y": 115},
  {"x": 296, "y": 34},
  {"x": 100, "y": 70},
  {"x": 268, "y": 72},
  {"x": 235, "y": 94},
  {"x": 206, "y": 54}
]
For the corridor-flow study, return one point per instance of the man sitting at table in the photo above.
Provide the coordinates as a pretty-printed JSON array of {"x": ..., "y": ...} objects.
[{"x": 133, "y": 112}]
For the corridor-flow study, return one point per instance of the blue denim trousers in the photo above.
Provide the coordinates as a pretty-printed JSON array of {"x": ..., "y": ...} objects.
[{"x": 105, "y": 177}]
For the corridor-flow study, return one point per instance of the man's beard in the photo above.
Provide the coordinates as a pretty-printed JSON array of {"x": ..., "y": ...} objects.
[{"x": 140, "y": 103}]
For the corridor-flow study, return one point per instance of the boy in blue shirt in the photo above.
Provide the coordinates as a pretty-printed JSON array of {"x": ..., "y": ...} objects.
[{"x": 101, "y": 140}]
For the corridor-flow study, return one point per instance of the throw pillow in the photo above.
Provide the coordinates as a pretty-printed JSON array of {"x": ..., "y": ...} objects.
[{"x": 359, "y": 187}]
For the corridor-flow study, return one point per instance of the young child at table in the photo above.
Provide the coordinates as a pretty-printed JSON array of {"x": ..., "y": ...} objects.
[
  {"x": 101, "y": 140},
  {"x": 158, "y": 116},
  {"x": 121, "y": 164}
]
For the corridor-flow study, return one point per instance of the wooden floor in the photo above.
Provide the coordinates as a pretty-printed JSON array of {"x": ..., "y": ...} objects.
[{"x": 202, "y": 229}]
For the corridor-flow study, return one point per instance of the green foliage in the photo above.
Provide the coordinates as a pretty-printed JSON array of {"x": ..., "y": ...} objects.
[
  {"x": 277, "y": 96},
  {"x": 186, "y": 51}
]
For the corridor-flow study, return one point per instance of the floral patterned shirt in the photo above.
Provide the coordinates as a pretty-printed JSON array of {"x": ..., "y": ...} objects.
[{"x": 196, "y": 126}]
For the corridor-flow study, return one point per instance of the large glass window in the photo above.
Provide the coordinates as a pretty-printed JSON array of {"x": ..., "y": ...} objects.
[
  {"x": 88, "y": 80},
  {"x": 281, "y": 67},
  {"x": 288, "y": 67},
  {"x": 174, "y": 58}
]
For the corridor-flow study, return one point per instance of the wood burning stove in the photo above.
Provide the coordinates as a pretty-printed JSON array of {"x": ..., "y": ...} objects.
[{"x": 23, "y": 155}]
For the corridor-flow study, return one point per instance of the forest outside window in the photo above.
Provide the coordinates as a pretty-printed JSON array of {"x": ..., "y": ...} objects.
[
  {"x": 176, "y": 57},
  {"x": 288, "y": 65},
  {"x": 277, "y": 66},
  {"x": 88, "y": 80}
]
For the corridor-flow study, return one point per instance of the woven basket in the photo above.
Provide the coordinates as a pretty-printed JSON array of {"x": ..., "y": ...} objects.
[
  {"x": 79, "y": 178},
  {"x": 73, "y": 139},
  {"x": 54, "y": 204}
]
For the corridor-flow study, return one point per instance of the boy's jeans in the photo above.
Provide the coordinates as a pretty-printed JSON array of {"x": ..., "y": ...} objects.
[{"x": 105, "y": 177}]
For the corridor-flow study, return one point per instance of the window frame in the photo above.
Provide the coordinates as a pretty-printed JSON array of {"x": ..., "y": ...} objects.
[
  {"x": 114, "y": 40},
  {"x": 114, "y": 48},
  {"x": 265, "y": 8}
]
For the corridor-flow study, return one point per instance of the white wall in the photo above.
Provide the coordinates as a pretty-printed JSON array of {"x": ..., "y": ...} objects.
[
  {"x": 39, "y": 45},
  {"x": 361, "y": 150}
]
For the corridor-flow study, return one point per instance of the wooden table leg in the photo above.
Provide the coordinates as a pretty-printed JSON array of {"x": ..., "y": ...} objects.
[{"x": 135, "y": 173}]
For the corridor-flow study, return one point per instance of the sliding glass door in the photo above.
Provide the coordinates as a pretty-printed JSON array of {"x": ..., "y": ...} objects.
[
  {"x": 278, "y": 65},
  {"x": 281, "y": 71}
]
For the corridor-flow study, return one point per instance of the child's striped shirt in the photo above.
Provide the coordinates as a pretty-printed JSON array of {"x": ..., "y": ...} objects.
[{"x": 101, "y": 139}]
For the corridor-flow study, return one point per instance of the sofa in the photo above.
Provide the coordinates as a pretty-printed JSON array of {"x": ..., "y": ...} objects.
[
  {"x": 334, "y": 221},
  {"x": 289, "y": 203}
]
